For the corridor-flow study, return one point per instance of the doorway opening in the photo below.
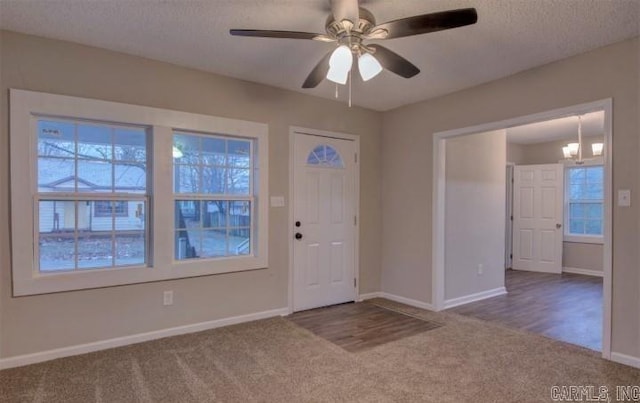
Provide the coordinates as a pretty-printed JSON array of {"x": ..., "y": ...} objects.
[{"x": 558, "y": 245}]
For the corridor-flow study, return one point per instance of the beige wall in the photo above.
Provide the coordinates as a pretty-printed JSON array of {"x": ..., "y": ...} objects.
[
  {"x": 474, "y": 217},
  {"x": 609, "y": 72},
  {"x": 36, "y": 323},
  {"x": 515, "y": 153},
  {"x": 574, "y": 255}
]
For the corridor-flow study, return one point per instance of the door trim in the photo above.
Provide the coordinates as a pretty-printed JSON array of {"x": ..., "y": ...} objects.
[
  {"x": 438, "y": 199},
  {"x": 293, "y": 130}
]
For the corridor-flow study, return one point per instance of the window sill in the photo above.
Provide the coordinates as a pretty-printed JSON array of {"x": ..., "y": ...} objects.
[
  {"x": 594, "y": 239},
  {"x": 47, "y": 283}
]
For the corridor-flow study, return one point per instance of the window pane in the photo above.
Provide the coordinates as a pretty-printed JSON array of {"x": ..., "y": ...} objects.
[
  {"x": 94, "y": 142},
  {"x": 238, "y": 181},
  {"x": 215, "y": 213},
  {"x": 188, "y": 244},
  {"x": 594, "y": 210},
  {"x": 94, "y": 176},
  {"x": 214, "y": 243},
  {"x": 577, "y": 192},
  {"x": 213, "y": 151},
  {"x": 189, "y": 146},
  {"x": 187, "y": 214},
  {"x": 95, "y": 250},
  {"x": 213, "y": 180},
  {"x": 593, "y": 227},
  {"x": 187, "y": 179},
  {"x": 594, "y": 191},
  {"x": 130, "y": 145},
  {"x": 56, "y": 139},
  {"x": 57, "y": 216},
  {"x": 595, "y": 174},
  {"x": 240, "y": 241},
  {"x": 130, "y": 248},
  {"x": 56, "y": 175},
  {"x": 130, "y": 177},
  {"x": 576, "y": 210},
  {"x": 577, "y": 175},
  {"x": 239, "y": 153},
  {"x": 57, "y": 252},
  {"x": 240, "y": 214},
  {"x": 576, "y": 226}
]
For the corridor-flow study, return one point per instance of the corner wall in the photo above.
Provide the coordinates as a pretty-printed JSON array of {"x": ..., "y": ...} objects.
[
  {"x": 37, "y": 323},
  {"x": 608, "y": 72}
]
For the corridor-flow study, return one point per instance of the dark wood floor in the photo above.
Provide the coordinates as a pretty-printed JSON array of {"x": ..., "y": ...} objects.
[
  {"x": 566, "y": 307},
  {"x": 360, "y": 326}
]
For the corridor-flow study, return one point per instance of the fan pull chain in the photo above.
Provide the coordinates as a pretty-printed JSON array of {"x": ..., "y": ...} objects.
[
  {"x": 350, "y": 89},
  {"x": 336, "y": 90}
]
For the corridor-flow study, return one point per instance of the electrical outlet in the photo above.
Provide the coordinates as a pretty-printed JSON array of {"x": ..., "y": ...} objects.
[
  {"x": 167, "y": 298},
  {"x": 480, "y": 268}
]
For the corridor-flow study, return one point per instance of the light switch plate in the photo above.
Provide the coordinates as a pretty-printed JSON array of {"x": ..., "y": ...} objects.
[
  {"x": 277, "y": 201},
  {"x": 624, "y": 197}
]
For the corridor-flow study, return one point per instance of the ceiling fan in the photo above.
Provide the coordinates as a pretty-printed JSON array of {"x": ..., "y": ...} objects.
[{"x": 349, "y": 26}]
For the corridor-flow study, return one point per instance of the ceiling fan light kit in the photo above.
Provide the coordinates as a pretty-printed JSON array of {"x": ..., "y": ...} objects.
[
  {"x": 340, "y": 64},
  {"x": 349, "y": 25},
  {"x": 368, "y": 66}
]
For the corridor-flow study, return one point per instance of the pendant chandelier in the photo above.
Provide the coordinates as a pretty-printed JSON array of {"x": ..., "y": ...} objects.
[{"x": 573, "y": 151}]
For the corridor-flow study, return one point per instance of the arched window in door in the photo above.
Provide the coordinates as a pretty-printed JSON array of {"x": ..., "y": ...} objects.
[{"x": 325, "y": 156}]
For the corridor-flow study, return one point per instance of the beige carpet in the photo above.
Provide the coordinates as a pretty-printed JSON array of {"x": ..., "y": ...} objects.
[{"x": 274, "y": 360}]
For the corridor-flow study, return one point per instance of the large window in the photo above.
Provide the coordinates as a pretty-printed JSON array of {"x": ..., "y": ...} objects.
[
  {"x": 88, "y": 174},
  {"x": 106, "y": 194},
  {"x": 584, "y": 203},
  {"x": 213, "y": 188}
]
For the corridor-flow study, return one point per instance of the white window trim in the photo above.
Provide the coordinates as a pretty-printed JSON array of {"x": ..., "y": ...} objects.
[
  {"x": 27, "y": 280},
  {"x": 573, "y": 238}
]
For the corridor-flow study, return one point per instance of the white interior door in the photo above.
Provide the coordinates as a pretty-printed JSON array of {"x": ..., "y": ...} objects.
[
  {"x": 324, "y": 221},
  {"x": 538, "y": 217}
]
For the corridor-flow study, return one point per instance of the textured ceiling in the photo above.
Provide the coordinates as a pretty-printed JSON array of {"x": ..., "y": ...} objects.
[
  {"x": 510, "y": 36},
  {"x": 557, "y": 129}
]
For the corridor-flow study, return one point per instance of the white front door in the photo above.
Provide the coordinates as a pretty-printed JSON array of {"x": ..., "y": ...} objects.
[
  {"x": 538, "y": 217},
  {"x": 324, "y": 221}
]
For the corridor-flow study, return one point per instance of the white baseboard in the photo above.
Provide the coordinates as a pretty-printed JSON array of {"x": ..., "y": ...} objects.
[
  {"x": 369, "y": 295},
  {"x": 26, "y": 359},
  {"x": 450, "y": 303},
  {"x": 625, "y": 359},
  {"x": 586, "y": 272},
  {"x": 403, "y": 300}
]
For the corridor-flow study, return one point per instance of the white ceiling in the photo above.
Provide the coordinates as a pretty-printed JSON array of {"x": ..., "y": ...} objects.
[
  {"x": 558, "y": 129},
  {"x": 510, "y": 36}
]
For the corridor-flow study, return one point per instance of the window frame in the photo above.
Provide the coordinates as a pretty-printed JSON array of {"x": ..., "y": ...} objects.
[
  {"x": 27, "y": 106},
  {"x": 582, "y": 238}
]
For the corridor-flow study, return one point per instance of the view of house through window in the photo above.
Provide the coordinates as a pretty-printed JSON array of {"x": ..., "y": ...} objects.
[
  {"x": 585, "y": 200},
  {"x": 92, "y": 195},
  {"x": 213, "y": 186}
]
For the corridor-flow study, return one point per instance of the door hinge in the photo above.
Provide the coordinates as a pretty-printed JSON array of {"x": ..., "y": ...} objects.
[
  {"x": 355, "y": 158},
  {"x": 511, "y": 218},
  {"x": 355, "y": 220},
  {"x": 511, "y": 256},
  {"x": 355, "y": 283}
]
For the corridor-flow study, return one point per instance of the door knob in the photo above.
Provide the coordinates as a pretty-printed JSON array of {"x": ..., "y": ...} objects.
[
  {"x": 558, "y": 226},
  {"x": 298, "y": 236}
]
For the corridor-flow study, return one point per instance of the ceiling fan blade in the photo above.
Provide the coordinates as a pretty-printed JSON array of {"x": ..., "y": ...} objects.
[
  {"x": 345, "y": 10},
  {"x": 318, "y": 73},
  {"x": 263, "y": 33},
  {"x": 423, "y": 24},
  {"x": 394, "y": 62}
]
